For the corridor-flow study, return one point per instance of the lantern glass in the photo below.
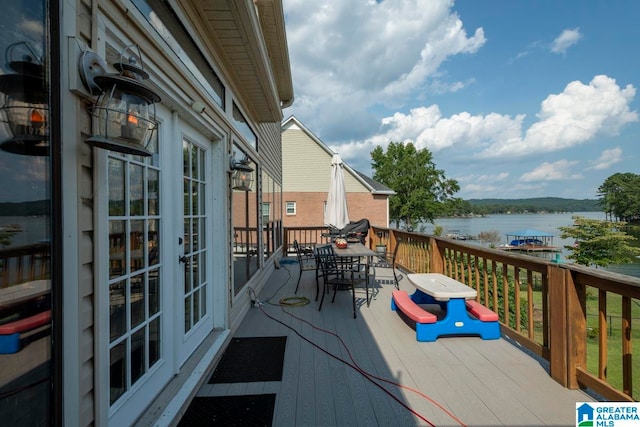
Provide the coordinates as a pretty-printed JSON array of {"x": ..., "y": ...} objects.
[
  {"x": 27, "y": 119},
  {"x": 123, "y": 115},
  {"x": 242, "y": 180}
]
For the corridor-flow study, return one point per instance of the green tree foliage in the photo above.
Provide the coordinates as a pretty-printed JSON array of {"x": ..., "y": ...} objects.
[
  {"x": 537, "y": 204},
  {"x": 599, "y": 243},
  {"x": 422, "y": 190},
  {"x": 620, "y": 196}
]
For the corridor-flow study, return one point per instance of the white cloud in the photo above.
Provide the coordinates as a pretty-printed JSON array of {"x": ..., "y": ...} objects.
[
  {"x": 482, "y": 184},
  {"x": 565, "y": 40},
  {"x": 575, "y": 116},
  {"x": 370, "y": 53},
  {"x": 35, "y": 28},
  {"x": 566, "y": 120},
  {"x": 556, "y": 171},
  {"x": 607, "y": 159}
]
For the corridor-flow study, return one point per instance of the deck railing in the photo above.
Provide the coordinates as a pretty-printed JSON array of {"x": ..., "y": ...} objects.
[
  {"x": 23, "y": 264},
  {"x": 583, "y": 321}
]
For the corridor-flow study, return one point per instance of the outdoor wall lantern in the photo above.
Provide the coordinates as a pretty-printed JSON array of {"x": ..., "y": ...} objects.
[
  {"x": 24, "y": 110},
  {"x": 124, "y": 116},
  {"x": 242, "y": 174}
]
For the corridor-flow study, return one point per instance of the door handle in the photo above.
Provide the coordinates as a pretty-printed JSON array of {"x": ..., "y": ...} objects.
[{"x": 183, "y": 259}]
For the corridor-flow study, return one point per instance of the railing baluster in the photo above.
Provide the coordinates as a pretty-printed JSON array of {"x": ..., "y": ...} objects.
[
  {"x": 602, "y": 335},
  {"x": 627, "y": 368},
  {"x": 516, "y": 289},
  {"x": 530, "y": 307}
]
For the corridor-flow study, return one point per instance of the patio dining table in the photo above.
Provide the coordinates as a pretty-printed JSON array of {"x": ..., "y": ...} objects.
[{"x": 357, "y": 250}]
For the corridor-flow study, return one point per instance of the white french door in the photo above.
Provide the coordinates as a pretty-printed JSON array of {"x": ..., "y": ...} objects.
[
  {"x": 159, "y": 230},
  {"x": 195, "y": 254}
]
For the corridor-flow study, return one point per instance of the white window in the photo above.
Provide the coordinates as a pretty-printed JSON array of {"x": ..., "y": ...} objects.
[
  {"x": 291, "y": 208},
  {"x": 266, "y": 212}
]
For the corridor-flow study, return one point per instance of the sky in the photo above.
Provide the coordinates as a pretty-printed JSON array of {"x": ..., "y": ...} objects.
[{"x": 514, "y": 99}]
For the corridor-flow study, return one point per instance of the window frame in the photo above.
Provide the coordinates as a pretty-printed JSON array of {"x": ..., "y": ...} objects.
[{"x": 293, "y": 205}]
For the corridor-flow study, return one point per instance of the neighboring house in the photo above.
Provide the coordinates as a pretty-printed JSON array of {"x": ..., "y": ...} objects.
[
  {"x": 306, "y": 163},
  {"x": 122, "y": 276}
]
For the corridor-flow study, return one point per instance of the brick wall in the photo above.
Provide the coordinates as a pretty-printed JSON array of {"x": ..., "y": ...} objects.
[{"x": 310, "y": 208}]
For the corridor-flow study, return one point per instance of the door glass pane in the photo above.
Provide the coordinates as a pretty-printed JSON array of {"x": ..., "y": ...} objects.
[
  {"x": 117, "y": 371},
  {"x": 187, "y": 198},
  {"x": 154, "y": 292},
  {"x": 195, "y": 236},
  {"x": 138, "y": 355},
  {"x": 117, "y": 254},
  {"x": 136, "y": 244},
  {"x": 187, "y": 236},
  {"x": 152, "y": 191},
  {"x": 138, "y": 302},
  {"x": 194, "y": 198},
  {"x": 154, "y": 341},
  {"x": 136, "y": 192},
  {"x": 153, "y": 241},
  {"x": 187, "y": 313},
  {"x": 116, "y": 187},
  {"x": 117, "y": 310}
]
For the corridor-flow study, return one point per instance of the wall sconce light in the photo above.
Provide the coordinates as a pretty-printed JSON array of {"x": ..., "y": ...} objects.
[
  {"x": 242, "y": 174},
  {"x": 124, "y": 114},
  {"x": 24, "y": 110}
]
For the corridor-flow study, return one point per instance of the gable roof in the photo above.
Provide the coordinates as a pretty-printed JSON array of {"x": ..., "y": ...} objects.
[{"x": 372, "y": 185}]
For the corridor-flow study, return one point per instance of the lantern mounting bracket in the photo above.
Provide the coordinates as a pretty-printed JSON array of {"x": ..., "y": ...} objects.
[{"x": 91, "y": 65}]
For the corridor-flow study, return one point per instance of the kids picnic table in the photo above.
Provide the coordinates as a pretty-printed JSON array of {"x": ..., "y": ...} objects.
[{"x": 464, "y": 315}]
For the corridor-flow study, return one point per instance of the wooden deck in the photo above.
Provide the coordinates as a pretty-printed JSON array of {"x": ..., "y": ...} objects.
[{"x": 482, "y": 383}]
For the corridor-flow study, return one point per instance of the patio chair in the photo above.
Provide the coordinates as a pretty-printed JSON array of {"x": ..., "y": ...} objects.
[
  {"x": 389, "y": 260},
  {"x": 342, "y": 273},
  {"x": 307, "y": 262}
]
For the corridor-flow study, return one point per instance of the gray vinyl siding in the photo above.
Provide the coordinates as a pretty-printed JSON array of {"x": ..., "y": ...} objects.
[
  {"x": 307, "y": 165},
  {"x": 270, "y": 149}
]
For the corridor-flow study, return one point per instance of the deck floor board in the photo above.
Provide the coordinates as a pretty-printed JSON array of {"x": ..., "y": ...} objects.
[{"x": 483, "y": 383}]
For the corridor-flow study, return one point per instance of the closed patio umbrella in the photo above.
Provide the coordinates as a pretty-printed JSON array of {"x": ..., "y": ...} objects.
[{"x": 336, "y": 212}]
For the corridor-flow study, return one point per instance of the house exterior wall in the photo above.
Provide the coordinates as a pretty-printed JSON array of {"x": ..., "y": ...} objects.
[
  {"x": 310, "y": 208},
  {"x": 306, "y": 180},
  {"x": 86, "y": 24}
]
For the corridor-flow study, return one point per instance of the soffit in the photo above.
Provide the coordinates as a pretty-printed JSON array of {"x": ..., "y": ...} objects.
[{"x": 256, "y": 57}]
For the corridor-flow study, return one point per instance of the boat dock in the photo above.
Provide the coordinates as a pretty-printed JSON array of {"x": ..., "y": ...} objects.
[{"x": 529, "y": 241}]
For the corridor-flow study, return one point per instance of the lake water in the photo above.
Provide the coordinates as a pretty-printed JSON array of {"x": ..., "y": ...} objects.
[
  {"x": 35, "y": 229},
  {"x": 504, "y": 224}
]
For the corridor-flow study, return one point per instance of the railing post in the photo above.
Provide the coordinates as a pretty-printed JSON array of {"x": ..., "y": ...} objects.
[
  {"x": 558, "y": 329},
  {"x": 576, "y": 328},
  {"x": 285, "y": 244},
  {"x": 437, "y": 257}
]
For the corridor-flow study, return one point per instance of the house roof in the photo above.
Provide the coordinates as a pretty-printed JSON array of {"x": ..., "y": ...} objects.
[
  {"x": 372, "y": 185},
  {"x": 380, "y": 187}
]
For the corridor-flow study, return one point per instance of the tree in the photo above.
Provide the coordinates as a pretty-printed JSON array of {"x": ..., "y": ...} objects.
[
  {"x": 599, "y": 243},
  {"x": 491, "y": 237},
  {"x": 421, "y": 190},
  {"x": 620, "y": 196}
]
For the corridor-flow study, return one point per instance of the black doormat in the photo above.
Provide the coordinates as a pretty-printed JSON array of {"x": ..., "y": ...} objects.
[
  {"x": 250, "y": 360},
  {"x": 246, "y": 410}
]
